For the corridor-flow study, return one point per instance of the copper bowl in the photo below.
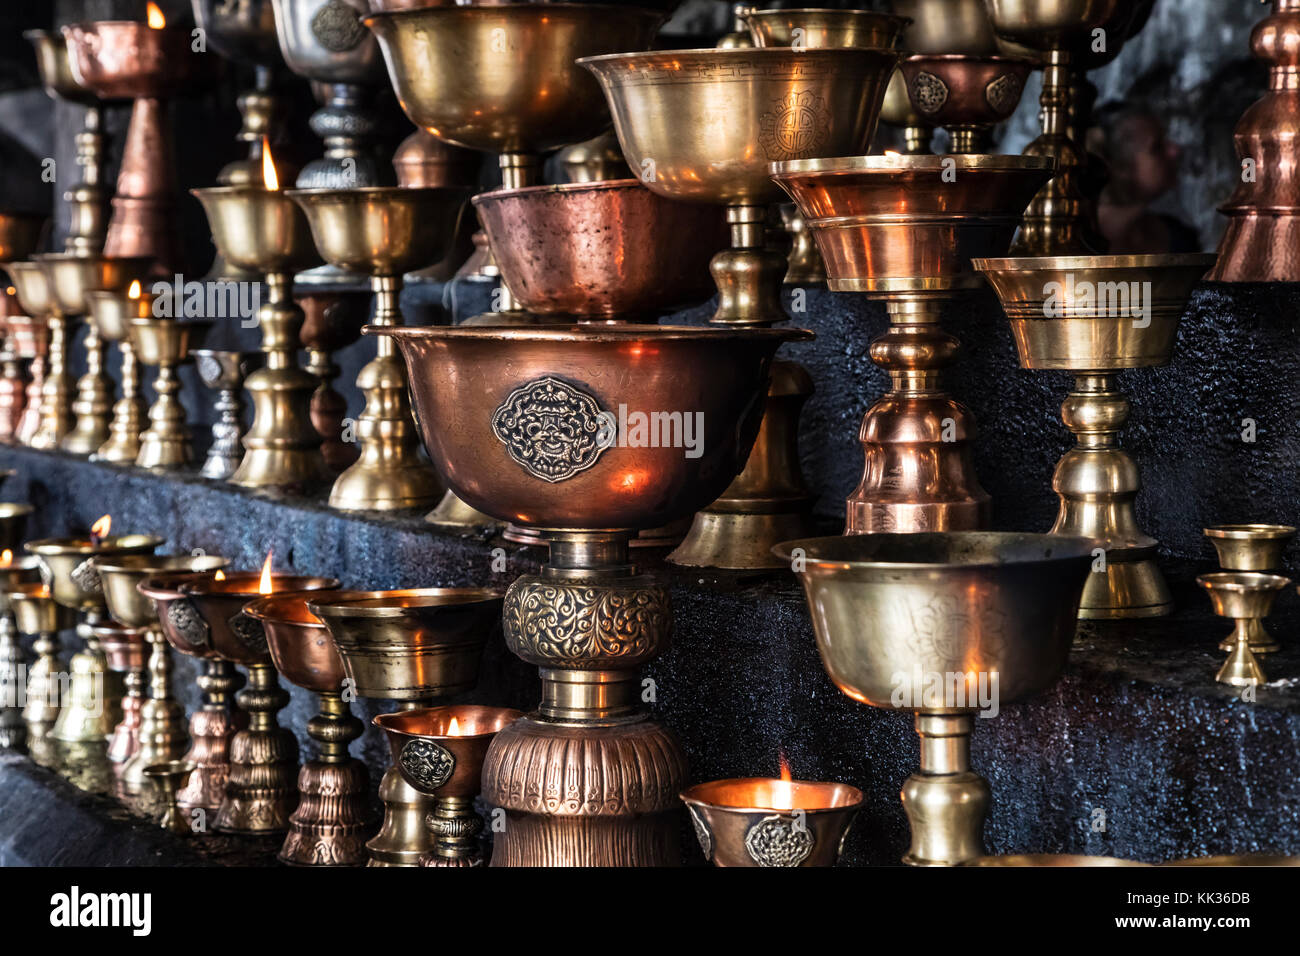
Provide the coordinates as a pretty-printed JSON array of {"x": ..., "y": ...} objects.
[
  {"x": 20, "y": 234},
  {"x": 127, "y": 59},
  {"x": 179, "y": 621},
  {"x": 124, "y": 646},
  {"x": 220, "y": 604},
  {"x": 964, "y": 90},
  {"x": 893, "y": 223},
  {"x": 431, "y": 759},
  {"x": 601, "y": 250},
  {"x": 521, "y": 422},
  {"x": 299, "y": 642}
]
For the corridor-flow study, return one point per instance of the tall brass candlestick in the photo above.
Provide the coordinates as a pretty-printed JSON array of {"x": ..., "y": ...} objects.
[
  {"x": 36, "y": 295},
  {"x": 111, "y": 314},
  {"x": 165, "y": 343}
]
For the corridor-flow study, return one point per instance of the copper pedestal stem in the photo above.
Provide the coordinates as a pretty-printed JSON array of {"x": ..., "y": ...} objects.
[
  {"x": 143, "y": 222},
  {"x": 212, "y": 728},
  {"x": 919, "y": 472},
  {"x": 328, "y": 826},
  {"x": 260, "y": 790}
]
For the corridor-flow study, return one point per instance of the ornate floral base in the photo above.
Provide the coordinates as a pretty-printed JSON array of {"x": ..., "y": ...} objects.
[
  {"x": 328, "y": 828},
  {"x": 261, "y": 791}
]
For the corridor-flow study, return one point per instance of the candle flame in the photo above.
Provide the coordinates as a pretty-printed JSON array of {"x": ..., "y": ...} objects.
[
  {"x": 783, "y": 795},
  {"x": 892, "y": 154},
  {"x": 453, "y": 728},
  {"x": 219, "y": 576},
  {"x": 785, "y": 766},
  {"x": 7, "y": 558},
  {"x": 11, "y": 291},
  {"x": 271, "y": 180},
  {"x": 102, "y": 527},
  {"x": 264, "y": 584},
  {"x": 134, "y": 291},
  {"x": 156, "y": 19}
]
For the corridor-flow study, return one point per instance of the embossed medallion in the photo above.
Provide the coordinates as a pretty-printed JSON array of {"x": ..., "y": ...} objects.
[
  {"x": 779, "y": 841},
  {"x": 186, "y": 622},
  {"x": 702, "y": 832},
  {"x": 577, "y": 624},
  {"x": 427, "y": 762},
  {"x": 552, "y": 429},
  {"x": 928, "y": 93},
  {"x": 795, "y": 127},
  {"x": 1003, "y": 92},
  {"x": 86, "y": 577},
  {"x": 249, "y": 632},
  {"x": 337, "y": 26}
]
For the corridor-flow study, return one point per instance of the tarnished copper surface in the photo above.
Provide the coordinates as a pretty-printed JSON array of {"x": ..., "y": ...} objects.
[
  {"x": 164, "y": 590},
  {"x": 127, "y": 59},
  {"x": 298, "y": 640},
  {"x": 461, "y": 377},
  {"x": 20, "y": 234},
  {"x": 601, "y": 250},
  {"x": 475, "y": 727},
  {"x": 966, "y": 94},
  {"x": 220, "y": 603},
  {"x": 424, "y": 161}
]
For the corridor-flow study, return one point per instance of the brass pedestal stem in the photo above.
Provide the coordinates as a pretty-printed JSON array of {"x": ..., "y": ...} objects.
[
  {"x": 56, "y": 397},
  {"x": 1097, "y": 483},
  {"x": 167, "y": 778},
  {"x": 282, "y": 448},
  {"x": 455, "y": 829},
  {"x": 86, "y": 201},
  {"x": 93, "y": 705},
  {"x": 945, "y": 802},
  {"x": 30, "y": 423},
  {"x": 1242, "y": 668},
  {"x": 13, "y": 732},
  {"x": 390, "y": 473},
  {"x": 588, "y": 779},
  {"x": 768, "y": 502},
  {"x": 43, "y": 691},
  {"x": 919, "y": 472},
  {"x": 260, "y": 791},
  {"x": 403, "y": 839},
  {"x": 13, "y": 395},
  {"x": 162, "y": 721},
  {"x": 1247, "y": 597},
  {"x": 212, "y": 728},
  {"x": 1057, "y": 221},
  {"x": 328, "y": 827},
  {"x": 165, "y": 445},
  {"x": 129, "y": 411},
  {"x": 94, "y": 401}
]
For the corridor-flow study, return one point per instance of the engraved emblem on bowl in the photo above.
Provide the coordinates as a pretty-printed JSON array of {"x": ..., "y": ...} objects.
[
  {"x": 702, "y": 832},
  {"x": 337, "y": 26},
  {"x": 948, "y": 637},
  {"x": 427, "y": 762},
  {"x": 185, "y": 621},
  {"x": 1003, "y": 93},
  {"x": 929, "y": 93},
  {"x": 249, "y": 632},
  {"x": 86, "y": 578},
  {"x": 553, "y": 430},
  {"x": 796, "y": 126},
  {"x": 779, "y": 841}
]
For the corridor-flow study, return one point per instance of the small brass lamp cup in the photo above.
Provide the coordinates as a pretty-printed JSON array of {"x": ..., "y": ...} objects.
[
  {"x": 1250, "y": 547},
  {"x": 168, "y": 778},
  {"x": 1247, "y": 597}
]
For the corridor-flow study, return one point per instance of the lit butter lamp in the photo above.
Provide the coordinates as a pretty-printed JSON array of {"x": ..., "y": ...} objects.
[
  {"x": 261, "y": 790},
  {"x": 760, "y": 821},
  {"x": 35, "y": 293},
  {"x": 259, "y": 228},
  {"x": 92, "y": 709},
  {"x": 37, "y": 614},
  {"x": 13, "y": 573},
  {"x": 440, "y": 752}
]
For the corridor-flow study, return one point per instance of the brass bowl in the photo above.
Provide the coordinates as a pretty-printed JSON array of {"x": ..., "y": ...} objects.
[
  {"x": 703, "y": 125},
  {"x": 887, "y": 224},
  {"x": 1243, "y": 595},
  {"x": 33, "y": 287},
  {"x": 111, "y": 312},
  {"x": 948, "y": 26},
  {"x": 258, "y": 229},
  {"x": 299, "y": 642},
  {"x": 13, "y": 524},
  {"x": 434, "y": 761},
  {"x": 1043, "y": 24},
  {"x": 601, "y": 250},
  {"x": 73, "y": 276},
  {"x": 121, "y": 575},
  {"x": 20, "y": 570},
  {"x": 382, "y": 231},
  {"x": 55, "y": 69},
  {"x": 1051, "y": 859},
  {"x": 1237, "y": 859},
  {"x": 889, "y": 610},
  {"x": 164, "y": 341},
  {"x": 68, "y": 568},
  {"x": 220, "y": 604},
  {"x": 755, "y": 821},
  {"x": 959, "y": 89},
  {"x": 36, "y": 612},
  {"x": 811, "y": 28},
  {"x": 521, "y": 421},
  {"x": 502, "y": 79},
  {"x": 1059, "y": 318},
  {"x": 20, "y": 235},
  {"x": 1250, "y": 547},
  {"x": 127, "y": 59},
  {"x": 411, "y": 644}
]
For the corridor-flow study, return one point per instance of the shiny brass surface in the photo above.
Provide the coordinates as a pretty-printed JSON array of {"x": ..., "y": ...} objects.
[
  {"x": 328, "y": 826},
  {"x": 1250, "y": 547},
  {"x": 1238, "y": 859},
  {"x": 966, "y": 94},
  {"x": 36, "y": 296},
  {"x": 602, "y": 250},
  {"x": 754, "y": 821},
  {"x": 167, "y": 779},
  {"x": 264, "y": 231},
  {"x": 121, "y": 575},
  {"x": 110, "y": 314},
  {"x": 225, "y": 371},
  {"x": 260, "y": 792},
  {"x": 1058, "y": 221},
  {"x": 500, "y": 469},
  {"x": 413, "y": 646},
  {"x": 36, "y": 613},
  {"x": 1246, "y": 597},
  {"x": 165, "y": 445},
  {"x": 332, "y": 320},
  {"x": 1263, "y": 212},
  {"x": 14, "y": 573},
  {"x": 891, "y": 611},
  {"x": 810, "y": 28},
  {"x": 1095, "y": 315},
  {"x": 440, "y": 752},
  {"x": 898, "y": 228},
  {"x": 384, "y": 233},
  {"x": 948, "y": 26},
  {"x": 68, "y": 565}
]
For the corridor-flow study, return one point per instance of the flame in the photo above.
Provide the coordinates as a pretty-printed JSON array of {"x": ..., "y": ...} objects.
[
  {"x": 7, "y": 558},
  {"x": 264, "y": 583},
  {"x": 156, "y": 19},
  {"x": 892, "y": 154},
  {"x": 453, "y": 728},
  {"x": 101, "y": 528},
  {"x": 134, "y": 291},
  {"x": 783, "y": 794},
  {"x": 219, "y": 576},
  {"x": 269, "y": 177},
  {"x": 11, "y": 291},
  {"x": 785, "y": 766}
]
